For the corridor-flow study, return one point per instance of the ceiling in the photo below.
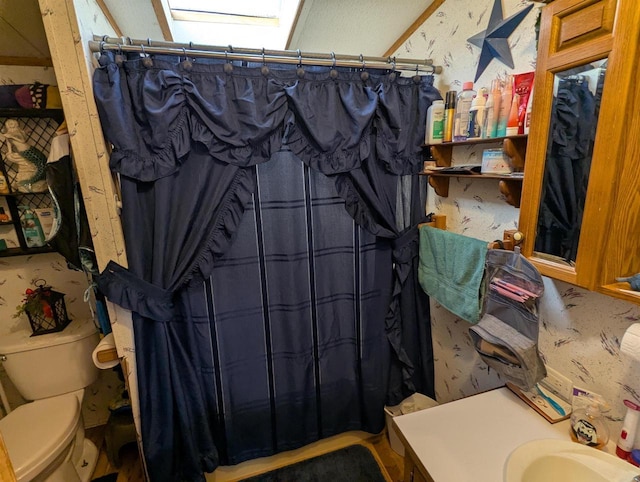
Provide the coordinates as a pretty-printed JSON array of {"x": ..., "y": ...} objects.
[{"x": 368, "y": 27}]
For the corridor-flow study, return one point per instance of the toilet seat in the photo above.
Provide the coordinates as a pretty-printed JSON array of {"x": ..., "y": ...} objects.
[{"x": 36, "y": 433}]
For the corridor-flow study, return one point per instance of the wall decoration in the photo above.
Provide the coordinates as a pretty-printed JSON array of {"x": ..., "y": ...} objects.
[{"x": 493, "y": 41}]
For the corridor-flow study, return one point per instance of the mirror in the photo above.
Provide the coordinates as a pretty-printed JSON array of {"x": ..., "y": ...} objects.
[{"x": 577, "y": 95}]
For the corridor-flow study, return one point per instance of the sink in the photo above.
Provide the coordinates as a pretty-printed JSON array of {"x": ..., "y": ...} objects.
[{"x": 550, "y": 460}]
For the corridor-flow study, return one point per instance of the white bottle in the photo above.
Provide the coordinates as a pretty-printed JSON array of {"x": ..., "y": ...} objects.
[
  {"x": 435, "y": 123},
  {"x": 463, "y": 105},
  {"x": 476, "y": 115}
]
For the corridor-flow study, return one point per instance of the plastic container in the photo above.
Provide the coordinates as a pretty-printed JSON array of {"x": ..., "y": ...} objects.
[
  {"x": 628, "y": 431},
  {"x": 512, "y": 122},
  {"x": 435, "y": 123},
  {"x": 588, "y": 426},
  {"x": 492, "y": 111},
  {"x": 527, "y": 116},
  {"x": 476, "y": 115},
  {"x": 449, "y": 114},
  {"x": 33, "y": 234},
  {"x": 413, "y": 403},
  {"x": 505, "y": 107},
  {"x": 463, "y": 106}
]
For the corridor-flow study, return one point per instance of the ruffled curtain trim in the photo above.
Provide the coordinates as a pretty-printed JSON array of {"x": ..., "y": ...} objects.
[
  {"x": 234, "y": 205},
  {"x": 405, "y": 249},
  {"x": 124, "y": 288}
]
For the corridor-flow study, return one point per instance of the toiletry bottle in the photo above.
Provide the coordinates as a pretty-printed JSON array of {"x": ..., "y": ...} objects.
[
  {"x": 628, "y": 431},
  {"x": 435, "y": 123},
  {"x": 4, "y": 217},
  {"x": 505, "y": 107},
  {"x": 588, "y": 426},
  {"x": 33, "y": 234},
  {"x": 476, "y": 115},
  {"x": 4, "y": 186},
  {"x": 512, "y": 122},
  {"x": 449, "y": 114},
  {"x": 527, "y": 116},
  {"x": 492, "y": 109},
  {"x": 463, "y": 106}
]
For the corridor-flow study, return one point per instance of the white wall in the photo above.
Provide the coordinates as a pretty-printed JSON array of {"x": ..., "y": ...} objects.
[{"x": 580, "y": 331}]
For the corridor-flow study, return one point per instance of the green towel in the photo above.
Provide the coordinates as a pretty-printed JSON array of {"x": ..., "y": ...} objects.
[{"x": 451, "y": 270}]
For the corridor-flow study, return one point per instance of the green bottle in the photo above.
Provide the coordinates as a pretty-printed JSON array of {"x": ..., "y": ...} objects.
[{"x": 33, "y": 234}]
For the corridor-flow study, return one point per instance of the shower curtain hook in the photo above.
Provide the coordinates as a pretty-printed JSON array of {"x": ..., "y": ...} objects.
[
  {"x": 263, "y": 61},
  {"x": 363, "y": 62},
  {"x": 333, "y": 60},
  {"x": 299, "y": 59},
  {"x": 148, "y": 41},
  {"x": 104, "y": 38}
]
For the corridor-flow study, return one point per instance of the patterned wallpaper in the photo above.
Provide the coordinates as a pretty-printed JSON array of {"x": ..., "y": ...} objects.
[
  {"x": 580, "y": 331},
  {"x": 17, "y": 274}
]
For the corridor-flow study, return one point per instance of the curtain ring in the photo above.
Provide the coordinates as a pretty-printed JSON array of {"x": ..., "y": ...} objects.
[
  {"x": 190, "y": 45},
  {"x": 148, "y": 41},
  {"x": 102, "y": 47},
  {"x": 363, "y": 62},
  {"x": 333, "y": 60},
  {"x": 264, "y": 69},
  {"x": 129, "y": 41},
  {"x": 300, "y": 69},
  {"x": 228, "y": 66},
  {"x": 230, "y": 48},
  {"x": 104, "y": 38}
]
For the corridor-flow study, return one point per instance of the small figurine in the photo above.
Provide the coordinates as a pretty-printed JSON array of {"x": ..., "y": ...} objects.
[{"x": 28, "y": 162}]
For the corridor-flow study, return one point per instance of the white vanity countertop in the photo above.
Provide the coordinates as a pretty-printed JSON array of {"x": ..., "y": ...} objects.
[{"x": 470, "y": 439}]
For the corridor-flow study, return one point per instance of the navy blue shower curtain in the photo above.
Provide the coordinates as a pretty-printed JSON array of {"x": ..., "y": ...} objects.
[{"x": 271, "y": 251}]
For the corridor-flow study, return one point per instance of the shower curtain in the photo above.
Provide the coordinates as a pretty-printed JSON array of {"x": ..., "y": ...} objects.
[{"x": 269, "y": 217}]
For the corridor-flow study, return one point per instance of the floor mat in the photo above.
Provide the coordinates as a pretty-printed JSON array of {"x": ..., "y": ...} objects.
[{"x": 350, "y": 464}]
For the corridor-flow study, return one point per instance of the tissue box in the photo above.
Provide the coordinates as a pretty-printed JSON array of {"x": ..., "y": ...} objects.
[{"x": 495, "y": 161}]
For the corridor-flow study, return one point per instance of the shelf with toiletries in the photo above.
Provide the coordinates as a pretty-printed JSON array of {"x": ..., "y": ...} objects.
[
  {"x": 596, "y": 245},
  {"x": 25, "y": 204},
  {"x": 510, "y": 185}
]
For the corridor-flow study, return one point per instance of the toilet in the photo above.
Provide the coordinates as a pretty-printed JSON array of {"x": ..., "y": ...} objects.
[{"x": 45, "y": 437}]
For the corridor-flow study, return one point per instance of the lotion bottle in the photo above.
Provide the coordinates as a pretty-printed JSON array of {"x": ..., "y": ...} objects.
[
  {"x": 463, "y": 106},
  {"x": 435, "y": 123},
  {"x": 505, "y": 107}
]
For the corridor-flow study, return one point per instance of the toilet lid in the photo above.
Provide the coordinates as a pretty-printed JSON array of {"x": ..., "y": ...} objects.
[{"x": 37, "y": 432}]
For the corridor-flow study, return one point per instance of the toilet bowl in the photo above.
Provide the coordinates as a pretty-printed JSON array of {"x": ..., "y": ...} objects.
[{"x": 45, "y": 437}]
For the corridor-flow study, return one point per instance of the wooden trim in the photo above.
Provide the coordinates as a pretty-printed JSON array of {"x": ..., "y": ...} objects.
[
  {"x": 6, "y": 469},
  {"x": 158, "y": 8},
  {"x": 27, "y": 61},
  {"x": 414, "y": 26},
  {"x": 294, "y": 25},
  {"x": 109, "y": 17}
]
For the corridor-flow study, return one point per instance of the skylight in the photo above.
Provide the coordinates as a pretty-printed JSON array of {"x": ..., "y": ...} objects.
[
  {"x": 244, "y": 8},
  {"x": 242, "y": 23}
]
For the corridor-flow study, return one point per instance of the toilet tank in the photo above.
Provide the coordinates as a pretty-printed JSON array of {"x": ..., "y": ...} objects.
[{"x": 53, "y": 364}]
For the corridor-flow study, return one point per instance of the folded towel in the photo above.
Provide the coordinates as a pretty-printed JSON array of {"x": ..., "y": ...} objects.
[{"x": 451, "y": 270}]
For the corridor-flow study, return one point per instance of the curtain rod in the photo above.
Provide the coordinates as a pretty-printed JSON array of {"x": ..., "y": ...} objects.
[{"x": 260, "y": 55}]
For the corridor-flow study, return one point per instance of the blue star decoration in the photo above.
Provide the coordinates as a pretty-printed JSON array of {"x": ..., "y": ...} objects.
[{"x": 493, "y": 40}]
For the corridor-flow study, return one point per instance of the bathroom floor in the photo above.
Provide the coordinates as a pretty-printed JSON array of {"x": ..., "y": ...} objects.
[{"x": 131, "y": 468}]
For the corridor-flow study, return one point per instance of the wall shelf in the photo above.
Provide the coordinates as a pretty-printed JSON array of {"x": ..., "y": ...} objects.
[
  {"x": 40, "y": 126},
  {"x": 510, "y": 186}
]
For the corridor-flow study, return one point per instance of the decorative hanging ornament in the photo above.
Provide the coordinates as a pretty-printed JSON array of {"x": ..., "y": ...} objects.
[{"x": 493, "y": 41}]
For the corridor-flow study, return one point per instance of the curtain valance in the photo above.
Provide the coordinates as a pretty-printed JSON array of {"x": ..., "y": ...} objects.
[{"x": 152, "y": 110}]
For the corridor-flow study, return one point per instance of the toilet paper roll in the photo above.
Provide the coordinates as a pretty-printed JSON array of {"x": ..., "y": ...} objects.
[
  {"x": 630, "y": 344},
  {"x": 105, "y": 355}
]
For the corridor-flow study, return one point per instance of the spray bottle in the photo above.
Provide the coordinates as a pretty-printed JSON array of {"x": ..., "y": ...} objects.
[{"x": 628, "y": 431}]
